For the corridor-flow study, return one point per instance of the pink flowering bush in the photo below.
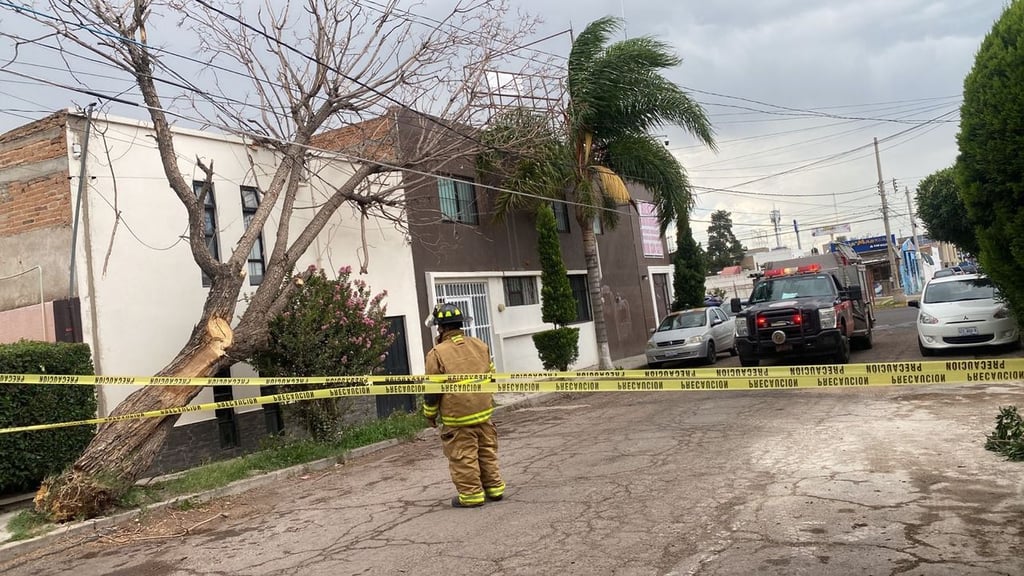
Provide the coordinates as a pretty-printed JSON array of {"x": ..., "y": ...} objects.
[{"x": 330, "y": 328}]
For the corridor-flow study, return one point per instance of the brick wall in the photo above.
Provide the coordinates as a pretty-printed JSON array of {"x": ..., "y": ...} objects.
[{"x": 35, "y": 192}]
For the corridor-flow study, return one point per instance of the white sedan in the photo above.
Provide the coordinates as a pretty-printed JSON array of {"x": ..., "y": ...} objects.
[
  {"x": 695, "y": 334},
  {"x": 963, "y": 311}
]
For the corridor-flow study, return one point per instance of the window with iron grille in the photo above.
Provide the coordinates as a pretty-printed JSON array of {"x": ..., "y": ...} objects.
[
  {"x": 471, "y": 297},
  {"x": 458, "y": 201},
  {"x": 561, "y": 210},
  {"x": 581, "y": 292},
  {"x": 209, "y": 223},
  {"x": 520, "y": 290},
  {"x": 227, "y": 428},
  {"x": 257, "y": 264}
]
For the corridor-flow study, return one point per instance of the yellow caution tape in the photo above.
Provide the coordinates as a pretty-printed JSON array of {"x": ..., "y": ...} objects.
[
  {"x": 699, "y": 379},
  {"x": 1013, "y": 368}
]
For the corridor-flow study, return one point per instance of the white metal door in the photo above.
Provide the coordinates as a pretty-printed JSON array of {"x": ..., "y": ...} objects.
[{"x": 471, "y": 298}]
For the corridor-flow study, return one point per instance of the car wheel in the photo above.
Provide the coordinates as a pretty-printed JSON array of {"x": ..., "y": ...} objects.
[
  {"x": 749, "y": 362},
  {"x": 924, "y": 351},
  {"x": 655, "y": 365},
  {"x": 733, "y": 351},
  {"x": 842, "y": 355},
  {"x": 712, "y": 354}
]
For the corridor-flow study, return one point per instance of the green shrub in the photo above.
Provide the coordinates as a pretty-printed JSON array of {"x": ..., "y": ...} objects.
[
  {"x": 1008, "y": 437},
  {"x": 331, "y": 327},
  {"x": 28, "y": 457},
  {"x": 558, "y": 348}
]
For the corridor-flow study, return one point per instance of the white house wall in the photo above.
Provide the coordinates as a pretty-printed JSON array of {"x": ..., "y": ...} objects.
[
  {"x": 512, "y": 327},
  {"x": 140, "y": 287}
]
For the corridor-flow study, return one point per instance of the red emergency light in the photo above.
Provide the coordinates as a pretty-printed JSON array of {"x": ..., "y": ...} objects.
[
  {"x": 762, "y": 321},
  {"x": 808, "y": 269}
]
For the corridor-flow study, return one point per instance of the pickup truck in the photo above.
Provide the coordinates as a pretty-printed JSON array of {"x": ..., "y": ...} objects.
[{"x": 803, "y": 311}]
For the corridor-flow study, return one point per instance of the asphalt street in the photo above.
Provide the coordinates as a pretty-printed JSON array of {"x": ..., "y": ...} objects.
[{"x": 880, "y": 481}]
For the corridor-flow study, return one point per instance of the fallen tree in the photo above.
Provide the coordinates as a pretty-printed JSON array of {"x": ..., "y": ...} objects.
[{"x": 308, "y": 68}]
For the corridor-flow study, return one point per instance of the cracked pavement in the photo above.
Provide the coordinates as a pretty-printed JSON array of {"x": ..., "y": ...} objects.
[{"x": 881, "y": 481}]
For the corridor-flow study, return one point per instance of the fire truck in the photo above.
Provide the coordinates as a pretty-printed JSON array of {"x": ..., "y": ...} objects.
[{"x": 814, "y": 306}]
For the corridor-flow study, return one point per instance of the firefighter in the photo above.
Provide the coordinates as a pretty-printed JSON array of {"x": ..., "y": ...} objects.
[{"x": 468, "y": 437}]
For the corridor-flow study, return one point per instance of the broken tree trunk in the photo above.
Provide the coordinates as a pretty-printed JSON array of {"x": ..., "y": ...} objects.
[{"x": 122, "y": 451}]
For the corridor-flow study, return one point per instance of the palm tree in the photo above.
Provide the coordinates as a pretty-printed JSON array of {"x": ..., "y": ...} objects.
[{"x": 617, "y": 96}]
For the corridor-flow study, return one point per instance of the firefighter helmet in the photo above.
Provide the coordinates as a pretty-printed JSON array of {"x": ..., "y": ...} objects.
[{"x": 446, "y": 314}]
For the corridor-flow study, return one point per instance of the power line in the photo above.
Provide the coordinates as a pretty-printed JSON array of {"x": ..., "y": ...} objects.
[
  {"x": 845, "y": 152},
  {"x": 804, "y": 111},
  {"x": 801, "y": 142}
]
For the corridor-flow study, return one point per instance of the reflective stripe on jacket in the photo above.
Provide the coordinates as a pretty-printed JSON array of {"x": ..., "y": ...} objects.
[{"x": 459, "y": 354}]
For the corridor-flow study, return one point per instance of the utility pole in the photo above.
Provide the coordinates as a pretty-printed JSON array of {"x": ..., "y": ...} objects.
[
  {"x": 776, "y": 218},
  {"x": 897, "y": 292},
  {"x": 910, "y": 211}
]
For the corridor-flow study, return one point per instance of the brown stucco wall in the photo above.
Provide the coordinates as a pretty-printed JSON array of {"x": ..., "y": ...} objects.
[{"x": 628, "y": 303}]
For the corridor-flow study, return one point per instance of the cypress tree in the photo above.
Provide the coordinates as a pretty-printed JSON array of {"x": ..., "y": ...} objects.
[
  {"x": 557, "y": 348},
  {"x": 689, "y": 269}
]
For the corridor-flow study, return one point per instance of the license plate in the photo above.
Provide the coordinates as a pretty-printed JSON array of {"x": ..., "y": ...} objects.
[
  {"x": 670, "y": 354},
  {"x": 783, "y": 347},
  {"x": 970, "y": 331}
]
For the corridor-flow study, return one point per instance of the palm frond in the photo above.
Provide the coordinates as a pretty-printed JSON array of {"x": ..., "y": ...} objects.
[
  {"x": 586, "y": 50},
  {"x": 610, "y": 212},
  {"x": 528, "y": 157},
  {"x": 642, "y": 159},
  {"x": 619, "y": 88},
  {"x": 588, "y": 46},
  {"x": 611, "y": 185},
  {"x": 587, "y": 199}
]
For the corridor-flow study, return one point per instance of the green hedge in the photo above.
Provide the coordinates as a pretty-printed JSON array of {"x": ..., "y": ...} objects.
[{"x": 28, "y": 457}]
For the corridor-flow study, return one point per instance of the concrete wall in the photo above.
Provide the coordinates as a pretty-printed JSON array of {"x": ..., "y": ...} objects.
[
  {"x": 30, "y": 322},
  {"x": 35, "y": 212}
]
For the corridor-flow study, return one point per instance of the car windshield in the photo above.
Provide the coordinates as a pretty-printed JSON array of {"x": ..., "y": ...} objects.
[
  {"x": 692, "y": 319},
  {"x": 960, "y": 290},
  {"x": 792, "y": 287}
]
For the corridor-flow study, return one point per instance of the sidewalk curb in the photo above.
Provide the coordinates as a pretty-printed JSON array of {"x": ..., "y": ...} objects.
[{"x": 93, "y": 527}]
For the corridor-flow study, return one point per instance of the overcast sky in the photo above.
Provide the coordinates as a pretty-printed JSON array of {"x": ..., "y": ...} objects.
[
  {"x": 873, "y": 59},
  {"x": 873, "y": 68}
]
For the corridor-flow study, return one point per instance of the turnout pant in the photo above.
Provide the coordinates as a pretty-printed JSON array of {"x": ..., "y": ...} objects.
[{"x": 472, "y": 453}]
